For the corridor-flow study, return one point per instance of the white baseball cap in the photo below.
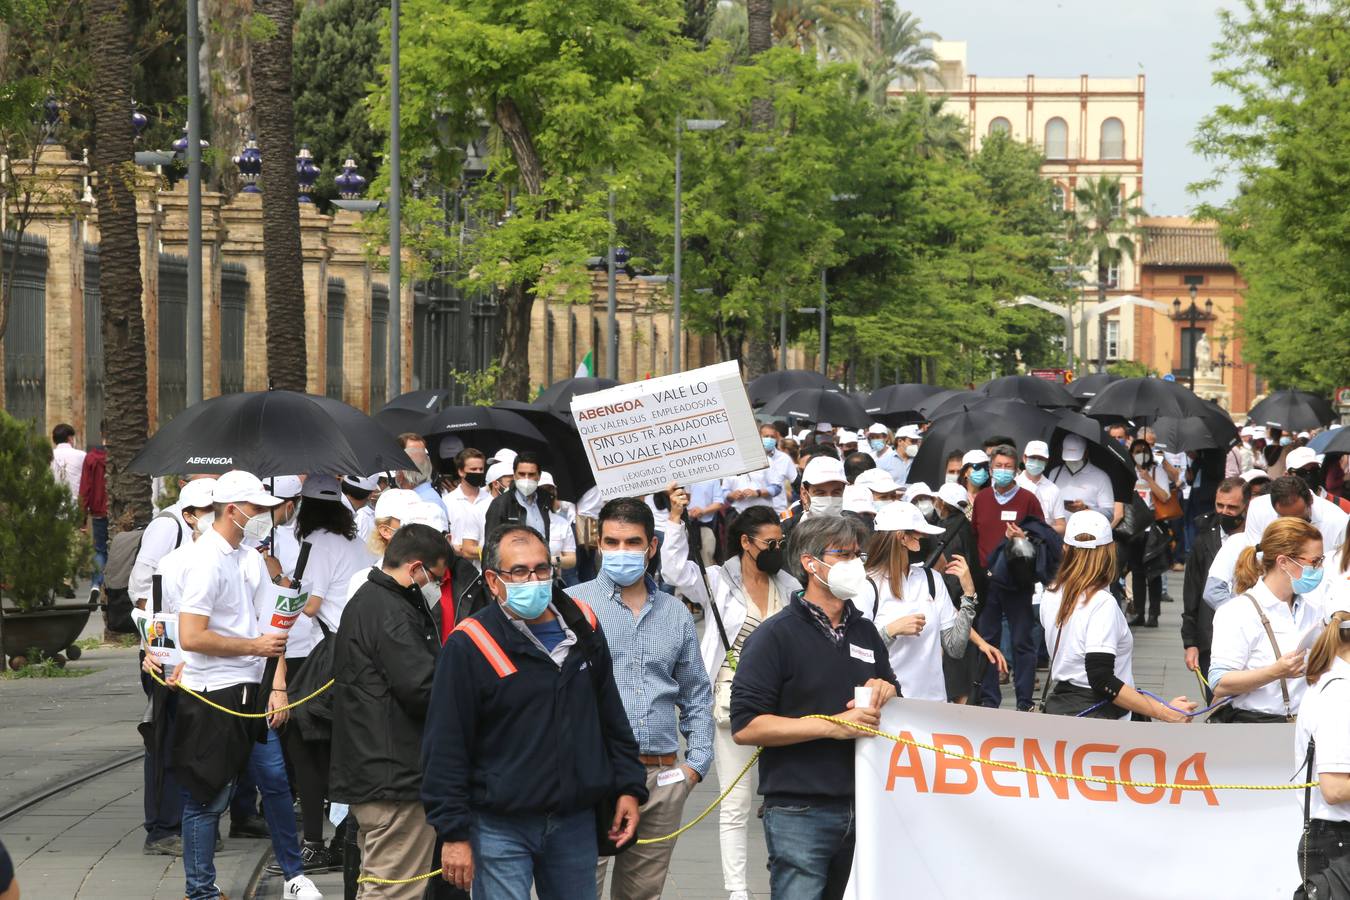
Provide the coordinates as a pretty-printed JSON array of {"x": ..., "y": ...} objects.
[
  {"x": 1254, "y": 474},
  {"x": 903, "y": 516},
  {"x": 848, "y": 437},
  {"x": 878, "y": 481},
  {"x": 396, "y": 503},
  {"x": 1259, "y": 433},
  {"x": 1303, "y": 435},
  {"x": 504, "y": 455},
  {"x": 284, "y": 486},
  {"x": 1300, "y": 457},
  {"x": 1091, "y": 523},
  {"x": 322, "y": 487},
  {"x": 823, "y": 470},
  {"x": 238, "y": 486},
  {"x": 546, "y": 480},
  {"x": 1074, "y": 449},
  {"x": 877, "y": 428},
  {"x": 974, "y": 458},
  {"x": 1037, "y": 449},
  {"x": 919, "y": 489},
  {"x": 361, "y": 482},
  {"x": 858, "y": 499},
  {"x": 909, "y": 431},
  {"x": 197, "y": 494},
  {"x": 953, "y": 494},
  {"x": 498, "y": 470},
  {"x": 824, "y": 426},
  {"x": 1247, "y": 430},
  {"x": 424, "y": 512}
]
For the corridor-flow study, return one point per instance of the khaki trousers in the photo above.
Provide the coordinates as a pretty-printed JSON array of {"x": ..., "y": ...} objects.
[
  {"x": 396, "y": 842},
  {"x": 640, "y": 871}
]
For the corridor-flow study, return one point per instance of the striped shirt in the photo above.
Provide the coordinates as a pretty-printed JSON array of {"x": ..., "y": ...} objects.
[{"x": 658, "y": 670}]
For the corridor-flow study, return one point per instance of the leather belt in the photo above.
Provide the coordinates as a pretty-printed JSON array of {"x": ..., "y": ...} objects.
[{"x": 657, "y": 759}]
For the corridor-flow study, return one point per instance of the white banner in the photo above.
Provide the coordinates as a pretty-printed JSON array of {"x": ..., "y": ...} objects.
[
  {"x": 685, "y": 428},
  {"x": 933, "y": 826}
]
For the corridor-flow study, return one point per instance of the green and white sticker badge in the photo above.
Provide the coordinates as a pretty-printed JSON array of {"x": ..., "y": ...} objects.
[{"x": 286, "y": 603}]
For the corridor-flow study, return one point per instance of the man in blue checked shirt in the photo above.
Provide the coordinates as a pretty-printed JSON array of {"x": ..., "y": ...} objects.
[{"x": 664, "y": 686}]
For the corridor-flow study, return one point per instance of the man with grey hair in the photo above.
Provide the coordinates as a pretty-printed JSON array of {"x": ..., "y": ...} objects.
[{"x": 806, "y": 661}]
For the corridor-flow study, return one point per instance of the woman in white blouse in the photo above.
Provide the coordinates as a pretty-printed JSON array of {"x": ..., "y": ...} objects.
[
  {"x": 1256, "y": 657},
  {"x": 1322, "y": 750},
  {"x": 736, "y": 597}
]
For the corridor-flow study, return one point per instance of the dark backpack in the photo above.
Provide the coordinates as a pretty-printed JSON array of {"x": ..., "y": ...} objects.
[{"x": 123, "y": 549}]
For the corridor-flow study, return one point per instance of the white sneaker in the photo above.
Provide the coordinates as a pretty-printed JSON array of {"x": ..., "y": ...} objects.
[
  {"x": 301, "y": 888},
  {"x": 739, "y": 895}
]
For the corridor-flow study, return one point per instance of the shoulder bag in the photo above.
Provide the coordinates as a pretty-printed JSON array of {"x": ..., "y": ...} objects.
[{"x": 1229, "y": 714}]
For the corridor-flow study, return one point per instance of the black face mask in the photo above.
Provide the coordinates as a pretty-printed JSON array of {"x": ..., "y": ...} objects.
[
  {"x": 1231, "y": 524},
  {"x": 770, "y": 561},
  {"x": 475, "y": 479}
]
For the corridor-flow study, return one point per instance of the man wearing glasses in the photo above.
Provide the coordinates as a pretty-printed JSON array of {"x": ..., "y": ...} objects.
[
  {"x": 665, "y": 689},
  {"x": 525, "y": 735},
  {"x": 806, "y": 661}
]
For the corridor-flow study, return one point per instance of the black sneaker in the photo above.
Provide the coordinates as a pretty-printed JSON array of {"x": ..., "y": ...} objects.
[
  {"x": 315, "y": 859},
  {"x": 249, "y": 827},
  {"x": 165, "y": 846}
]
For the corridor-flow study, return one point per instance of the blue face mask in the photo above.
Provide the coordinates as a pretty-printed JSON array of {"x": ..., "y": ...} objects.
[
  {"x": 979, "y": 476},
  {"x": 1308, "y": 581},
  {"x": 624, "y": 567},
  {"x": 1286, "y": 441},
  {"x": 770, "y": 444},
  {"x": 1035, "y": 466},
  {"x": 529, "y": 600},
  {"x": 877, "y": 444},
  {"x": 1003, "y": 477}
]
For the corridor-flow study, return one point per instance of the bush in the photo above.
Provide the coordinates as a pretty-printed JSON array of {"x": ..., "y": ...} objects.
[{"x": 41, "y": 545}]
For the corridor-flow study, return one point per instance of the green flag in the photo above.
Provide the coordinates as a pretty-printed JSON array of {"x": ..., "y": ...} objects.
[{"x": 587, "y": 367}]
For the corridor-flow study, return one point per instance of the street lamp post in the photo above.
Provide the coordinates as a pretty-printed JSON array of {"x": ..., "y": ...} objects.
[
  {"x": 823, "y": 310},
  {"x": 395, "y": 383},
  {"x": 676, "y": 326},
  {"x": 1191, "y": 315}
]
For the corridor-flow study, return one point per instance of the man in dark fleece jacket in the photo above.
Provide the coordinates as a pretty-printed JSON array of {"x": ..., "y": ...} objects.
[{"x": 526, "y": 733}]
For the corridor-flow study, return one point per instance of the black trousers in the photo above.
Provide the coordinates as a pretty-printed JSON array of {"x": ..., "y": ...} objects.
[
  {"x": 1324, "y": 844},
  {"x": 1147, "y": 591}
]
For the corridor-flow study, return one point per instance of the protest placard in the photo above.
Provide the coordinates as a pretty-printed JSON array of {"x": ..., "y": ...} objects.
[{"x": 685, "y": 428}]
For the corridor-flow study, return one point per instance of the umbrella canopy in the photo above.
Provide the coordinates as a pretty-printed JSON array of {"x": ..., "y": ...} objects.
[
  {"x": 949, "y": 401},
  {"x": 1103, "y": 451},
  {"x": 1033, "y": 390},
  {"x": 769, "y": 385},
  {"x": 1089, "y": 386},
  {"x": 898, "y": 404},
  {"x": 483, "y": 427},
  {"x": 557, "y": 397},
  {"x": 1194, "y": 433},
  {"x": 1320, "y": 442},
  {"x": 968, "y": 428},
  {"x": 1293, "y": 411},
  {"x": 817, "y": 405},
  {"x": 271, "y": 433},
  {"x": 412, "y": 412},
  {"x": 564, "y": 456},
  {"x": 1144, "y": 399}
]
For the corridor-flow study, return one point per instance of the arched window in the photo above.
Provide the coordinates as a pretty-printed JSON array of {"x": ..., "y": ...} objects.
[
  {"x": 1059, "y": 198},
  {"x": 1056, "y": 139},
  {"x": 1113, "y": 139},
  {"x": 1000, "y": 125}
]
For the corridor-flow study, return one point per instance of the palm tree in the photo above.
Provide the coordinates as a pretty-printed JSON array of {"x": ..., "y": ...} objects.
[
  {"x": 823, "y": 27},
  {"x": 942, "y": 135},
  {"x": 900, "y": 48},
  {"x": 119, "y": 282},
  {"x": 1103, "y": 229},
  {"x": 283, "y": 271}
]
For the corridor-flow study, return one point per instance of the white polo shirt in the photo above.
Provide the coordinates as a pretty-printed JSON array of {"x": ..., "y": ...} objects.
[
  {"x": 221, "y": 583},
  {"x": 333, "y": 560},
  {"x": 1090, "y": 485},
  {"x": 1325, "y": 717},
  {"x": 1240, "y": 643},
  {"x": 158, "y": 539},
  {"x": 1096, "y": 625},
  {"x": 561, "y": 537},
  {"x": 1047, "y": 494},
  {"x": 466, "y": 516},
  {"x": 916, "y": 659}
]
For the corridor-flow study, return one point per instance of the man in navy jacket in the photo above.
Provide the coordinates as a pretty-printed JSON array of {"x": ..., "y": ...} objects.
[{"x": 526, "y": 733}]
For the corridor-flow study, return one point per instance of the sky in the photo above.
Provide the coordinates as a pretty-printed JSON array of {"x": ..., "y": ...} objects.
[{"x": 1170, "y": 41}]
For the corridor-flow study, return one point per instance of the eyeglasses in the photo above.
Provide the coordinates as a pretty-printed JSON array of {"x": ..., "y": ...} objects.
[
  {"x": 522, "y": 574},
  {"x": 1316, "y": 563},
  {"x": 845, "y": 555},
  {"x": 771, "y": 544}
]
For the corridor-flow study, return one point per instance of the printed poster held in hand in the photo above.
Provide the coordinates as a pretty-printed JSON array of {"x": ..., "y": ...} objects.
[{"x": 685, "y": 428}]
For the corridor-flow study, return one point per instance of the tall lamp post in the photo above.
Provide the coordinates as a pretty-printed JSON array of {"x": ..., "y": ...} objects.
[
  {"x": 676, "y": 325},
  {"x": 395, "y": 382},
  {"x": 1191, "y": 315},
  {"x": 823, "y": 310}
]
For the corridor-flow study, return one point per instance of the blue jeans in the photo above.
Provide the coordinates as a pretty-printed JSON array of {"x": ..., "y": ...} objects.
[
  {"x": 99, "y": 529},
  {"x": 1016, "y": 606},
  {"x": 554, "y": 852},
  {"x": 244, "y": 797},
  {"x": 810, "y": 850},
  {"x": 268, "y": 770},
  {"x": 201, "y": 823}
]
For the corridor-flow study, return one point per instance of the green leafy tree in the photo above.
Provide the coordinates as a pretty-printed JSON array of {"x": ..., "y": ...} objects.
[
  {"x": 1103, "y": 232},
  {"x": 1286, "y": 137}
]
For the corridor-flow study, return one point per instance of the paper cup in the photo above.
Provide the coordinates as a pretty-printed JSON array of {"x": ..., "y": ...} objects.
[{"x": 862, "y": 697}]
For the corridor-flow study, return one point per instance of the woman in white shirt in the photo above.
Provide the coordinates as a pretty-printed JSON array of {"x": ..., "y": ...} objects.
[
  {"x": 562, "y": 537},
  {"x": 1256, "y": 657},
  {"x": 1323, "y": 733},
  {"x": 736, "y": 597},
  {"x": 912, "y": 609},
  {"x": 1151, "y": 484},
  {"x": 1091, "y": 645}
]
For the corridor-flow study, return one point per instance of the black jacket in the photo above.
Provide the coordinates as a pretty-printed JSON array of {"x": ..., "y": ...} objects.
[
  {"x": 538, "y": 739},
  {"x": 1197, "y": 616},
  {"x": 468, "y": 590},
  {"x": 384, "y": 657},
  {"x": 505, "y": 509}
]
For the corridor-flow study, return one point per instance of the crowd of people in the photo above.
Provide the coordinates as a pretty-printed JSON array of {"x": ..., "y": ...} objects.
[{"x": 527, "y": 687}]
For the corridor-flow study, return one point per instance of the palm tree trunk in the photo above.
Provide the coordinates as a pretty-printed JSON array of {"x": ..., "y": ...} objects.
[
  {"x": 759, "y": 38},
  {"x": 282, "y": 266},
  {"x": 126, "y": 414}
]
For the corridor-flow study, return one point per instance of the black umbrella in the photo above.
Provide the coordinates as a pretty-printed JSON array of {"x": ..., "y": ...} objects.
[
  {"x": 412, "y": 412},
  {"x": 1103, "y": 451},
  {"x": 949, "y": 401},
  {"x": 769, "y": 385},
  {"x": 564, "y": 456},
  {"x": 1194, "y": 434},
  {"x": 1144, "y": 399},
  {"x": 1089, "y": 386},
  {"x": 557, "y": 397},
  {"x": 1293, "y": 411},
  {"x": 817, "y": 405},
  {"x": 968, "y": 428},
  {"x": 898, "y": 404},
  {"x": 483, "y": 428},
  {"x": 271, "y": 433},
  {"x": 1030, "y": 389}
]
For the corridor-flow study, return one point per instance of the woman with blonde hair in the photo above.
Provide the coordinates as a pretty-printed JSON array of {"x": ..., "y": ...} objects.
[
  {"x": 1256, "y": 657},
  {"x": 1322, "y": 749},
  {"x": 1091, "y": 672}
]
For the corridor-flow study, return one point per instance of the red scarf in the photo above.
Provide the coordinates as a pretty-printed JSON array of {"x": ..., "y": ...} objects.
[{"x": 447, "y": 607}]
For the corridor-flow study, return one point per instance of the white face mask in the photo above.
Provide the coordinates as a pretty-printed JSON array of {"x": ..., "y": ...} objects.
[
  {"x": 953, "y": 477},
  {"x": 912, "y": 451},
  {"x": 1143, "y": 459},
  {"x": 204, "y": 522},
  {"x": 827, "y": 506},
  {"x": 256, "y": 528},
  {"x": 527, "y": 486},
  {"x": 431, "y": 591},
  {"x": 845, "y": 580}
]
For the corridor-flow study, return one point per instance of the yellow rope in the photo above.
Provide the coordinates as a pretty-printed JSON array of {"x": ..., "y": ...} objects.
[{"x": 262, "y": 715}]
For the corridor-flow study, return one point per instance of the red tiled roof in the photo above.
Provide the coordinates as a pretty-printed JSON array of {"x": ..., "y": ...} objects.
[{"x": 1191, "y": 244}]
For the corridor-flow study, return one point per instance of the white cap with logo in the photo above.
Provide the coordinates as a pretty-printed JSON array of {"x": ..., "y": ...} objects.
[
  {"x": 877, "y": 428},
  {"x": 823, "y": 470},
  {"x": 1074, "y": 449},
  {"x": 1037, "y": 449},
  {"x": 911, "y": 432},
  {"x": 396, "y": 503},
  {"x": 903, "y": 516}
]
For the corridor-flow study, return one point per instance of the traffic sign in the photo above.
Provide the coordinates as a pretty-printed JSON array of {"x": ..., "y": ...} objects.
[{"x": 1343, "y": 397}]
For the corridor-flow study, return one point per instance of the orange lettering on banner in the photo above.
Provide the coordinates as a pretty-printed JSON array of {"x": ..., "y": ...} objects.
[
  {"x": 1091, "y": 790},
  {"x": 1159, "y": 773},
  {"x": 1034, "y": 759},
  {"x": 1197, "y": 761},
  {"x": 913, "y": 770},
  {"x": 987, "y": 752},
  {"x": 946, "y": 763}
]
